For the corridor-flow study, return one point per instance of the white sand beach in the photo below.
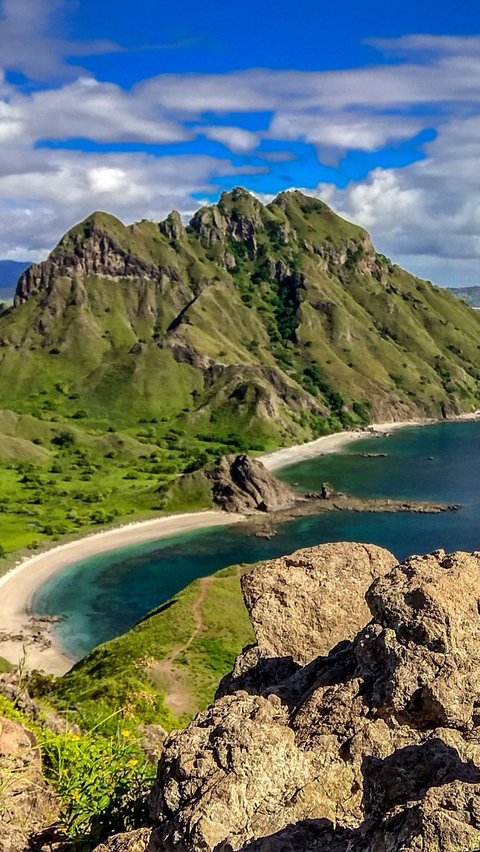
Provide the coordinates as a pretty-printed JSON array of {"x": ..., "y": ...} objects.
[
  {"x": 19, "y": 585},
  {"x": 331, "y": 443}
]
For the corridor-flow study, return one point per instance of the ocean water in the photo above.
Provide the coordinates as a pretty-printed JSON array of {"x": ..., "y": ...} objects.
[{"x": 103, "y": 596}]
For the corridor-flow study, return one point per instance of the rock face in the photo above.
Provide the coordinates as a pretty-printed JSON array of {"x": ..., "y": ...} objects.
[
  {"x": 218, "y": 322},
  {"x": 27, "y": 804},
  {"x": 372, "y": 748},
  {"x": 302, "y": 605},
  {"x": 243, "y": 484}
]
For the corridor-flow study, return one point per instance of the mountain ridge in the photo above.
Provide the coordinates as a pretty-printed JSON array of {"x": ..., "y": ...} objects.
[
  {"x": 137, "y": 353},
  {"x": 263, "y": 269}
]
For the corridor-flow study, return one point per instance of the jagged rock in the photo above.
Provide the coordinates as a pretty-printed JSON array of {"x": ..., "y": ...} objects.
[
  {"x": 94, "y": 253},
  {"x": 152, "y": 738},
  {"x": 172, "y": 227},
  {"x": 27, "y": 803},
  {"x": 243, "y": 484},
  {"x": 373, "y": 748},
  {"x": 301, "y": 605},
  {"x": 131, "y": 841}
]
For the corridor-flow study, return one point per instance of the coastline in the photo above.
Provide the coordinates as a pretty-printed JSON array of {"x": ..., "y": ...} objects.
[
  {"x": 35, "y": 639},
  {"x": 331, "y": 443},
  {"x": 18, "y": 586},
  {"x": 338, "y": 440}
]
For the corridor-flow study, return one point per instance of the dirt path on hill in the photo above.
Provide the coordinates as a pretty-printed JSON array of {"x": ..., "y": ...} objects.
[{"x": 178, "y": 697}]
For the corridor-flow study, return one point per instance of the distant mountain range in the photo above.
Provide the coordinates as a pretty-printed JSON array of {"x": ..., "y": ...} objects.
[
  {"x": 10, "y": 271},
  {"x": 470, "y": 295}
]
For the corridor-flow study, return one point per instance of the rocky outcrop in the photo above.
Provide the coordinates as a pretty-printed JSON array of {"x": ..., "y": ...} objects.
[
  {"x": 27, "y": 804},
  {"x": 301, "y": 606},
  {"x": 374, "y": 747},
  {"x": 243, "y": 484},
  {"x": 90, "y": 252},
  {"x": 131, "y": 841}
]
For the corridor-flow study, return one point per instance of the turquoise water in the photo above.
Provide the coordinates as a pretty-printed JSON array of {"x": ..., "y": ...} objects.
[{"x": 103, "y": 596}]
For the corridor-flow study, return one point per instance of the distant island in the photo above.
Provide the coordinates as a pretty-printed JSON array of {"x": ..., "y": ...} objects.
[{"x": 470, "y": 295}]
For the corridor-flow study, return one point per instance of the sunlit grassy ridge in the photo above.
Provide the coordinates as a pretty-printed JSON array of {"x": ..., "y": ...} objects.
[{"x": 123, "y": 671}]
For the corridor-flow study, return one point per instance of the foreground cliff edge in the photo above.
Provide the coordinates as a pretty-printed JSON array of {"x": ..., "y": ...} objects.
[
  {"x": 370, "y": 744},
  {"x": 331, "y": 734}
]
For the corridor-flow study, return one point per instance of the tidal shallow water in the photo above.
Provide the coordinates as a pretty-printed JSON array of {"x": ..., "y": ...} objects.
[{"x": 105, "y": 595}]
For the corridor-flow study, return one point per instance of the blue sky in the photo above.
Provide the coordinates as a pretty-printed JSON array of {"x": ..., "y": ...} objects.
[{"x": 140, "y": 108}]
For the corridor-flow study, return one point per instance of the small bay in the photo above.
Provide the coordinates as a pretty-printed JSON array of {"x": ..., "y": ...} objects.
[{"x": 105, "y": 595}]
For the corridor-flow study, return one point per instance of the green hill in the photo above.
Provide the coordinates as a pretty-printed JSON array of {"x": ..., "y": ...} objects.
[
  {"x": 135, "y": 353},
  {"x": 169, "y": 665}
]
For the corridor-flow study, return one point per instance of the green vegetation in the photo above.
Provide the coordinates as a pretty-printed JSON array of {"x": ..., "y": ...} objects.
[
  {"x": 172, "y": 660},
  {"x": 101, "y": 780},
  {"x": 254, "y": 327},
  {"x": 64, "y": 481},
  {"x": 199, "y": 632},
  {"x": 301, "y": 327}
]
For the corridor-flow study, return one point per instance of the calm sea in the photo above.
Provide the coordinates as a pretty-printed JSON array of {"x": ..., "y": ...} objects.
[{"x": 103, "y": 596}]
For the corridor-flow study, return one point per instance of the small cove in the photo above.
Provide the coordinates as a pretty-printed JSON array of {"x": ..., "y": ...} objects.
[{"x": 105, "y": 595}]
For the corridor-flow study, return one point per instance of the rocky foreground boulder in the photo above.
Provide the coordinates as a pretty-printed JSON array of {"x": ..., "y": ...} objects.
[
  {"x": 27, "y": 803},
  {"x": 371, "y": 747}
]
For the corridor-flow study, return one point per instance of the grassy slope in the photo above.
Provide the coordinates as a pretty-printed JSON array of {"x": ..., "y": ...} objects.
[
  {"x": 121, "y": 673},
  {"x": 342, "y": 337}
]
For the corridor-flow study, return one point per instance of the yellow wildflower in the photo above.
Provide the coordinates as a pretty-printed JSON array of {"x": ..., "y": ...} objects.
[{"x": 132, "y": 762}]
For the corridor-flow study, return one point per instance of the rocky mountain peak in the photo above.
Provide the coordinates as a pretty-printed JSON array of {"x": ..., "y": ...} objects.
[
  {"x": 101, "y": 245},
  {"x": 172, "y": 227}
]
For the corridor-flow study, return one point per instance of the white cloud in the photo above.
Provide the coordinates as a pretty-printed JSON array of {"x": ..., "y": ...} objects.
[
  {"x": 30, "y": 41},
  {"x": 426, "y": 214},
  {"x": 235, "y": 138},
  {"x": 339, "y": 132}
]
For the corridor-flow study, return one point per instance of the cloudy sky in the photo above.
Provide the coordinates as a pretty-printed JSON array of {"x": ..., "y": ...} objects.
[{"x": 138, "y": 108}]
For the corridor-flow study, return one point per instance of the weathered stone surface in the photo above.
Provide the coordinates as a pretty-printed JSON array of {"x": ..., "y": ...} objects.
[
  {"x": 373, "y": 748},
  {"x": 301, "y": 606},
  {"x": 243, "y": 484},
  {"x": 131, "y": 841},
  {"x": 27, "y": 804},
  {"x": 152, "y": 738}
]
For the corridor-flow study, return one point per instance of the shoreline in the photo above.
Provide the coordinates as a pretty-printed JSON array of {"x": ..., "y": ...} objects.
[
  {"x": 326, "y": 444},
  {"x": 34, "y": 638}
]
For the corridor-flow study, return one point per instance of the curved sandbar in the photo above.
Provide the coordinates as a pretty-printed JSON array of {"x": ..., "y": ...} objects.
[
  {"x": 19, "y": 585},
  {"x": 331, "y": 443}
]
